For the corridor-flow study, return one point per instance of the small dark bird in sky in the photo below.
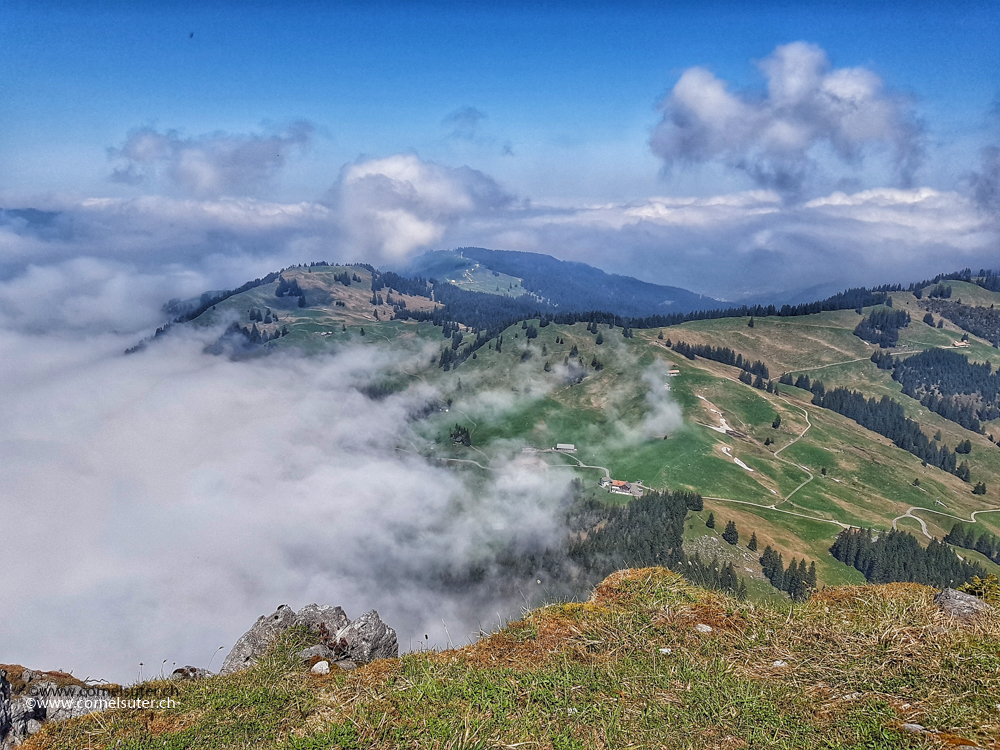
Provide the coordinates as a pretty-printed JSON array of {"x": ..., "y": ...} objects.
[{"x": 191, "y": 35}]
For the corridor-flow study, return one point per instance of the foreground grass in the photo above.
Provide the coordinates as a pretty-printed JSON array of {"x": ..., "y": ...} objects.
[{"x": 628, "y": 668}]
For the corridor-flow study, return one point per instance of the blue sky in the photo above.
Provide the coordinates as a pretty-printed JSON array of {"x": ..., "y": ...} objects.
[{"x": 572, "y": 89}]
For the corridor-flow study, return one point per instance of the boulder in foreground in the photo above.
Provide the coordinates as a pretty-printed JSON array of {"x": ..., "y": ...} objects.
[{"x": 337, "y": 638}]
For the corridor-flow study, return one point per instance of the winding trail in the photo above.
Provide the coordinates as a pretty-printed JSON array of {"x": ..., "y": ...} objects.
[
  {"x": 779, "y": 510},
  {"x": 580, "y": 464},
  {"x": 923, "y": 525},
  {"x": 832, "y": 364},
  {"x": 774, "y": 506},
  {"x": 448, "y": 460},
  {"x": 812, "y": 476}
]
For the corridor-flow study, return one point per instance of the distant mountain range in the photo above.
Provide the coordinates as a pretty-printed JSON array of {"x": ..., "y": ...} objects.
[{"x": 566, "y": 285}]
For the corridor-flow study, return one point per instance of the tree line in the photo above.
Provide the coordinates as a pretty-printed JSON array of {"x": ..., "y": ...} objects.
[
  {"x": 965, "y": 536},
  {"x": 985, "y": 278},
  {"x": 887, "y": 418},
  {"x": 882, "y": 326},
  {"x": 797, "y": 580},
  {"x": 889, "y": 556},
  {"x": 722, "y": 354},
  {"x": 943, "y": 380},
  {"x": 979, "y": 321},
  {"x": 646, "y": 532}
]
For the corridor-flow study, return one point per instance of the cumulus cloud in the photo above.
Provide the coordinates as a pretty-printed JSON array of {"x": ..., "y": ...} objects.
[
  {"x": 206, "y": 165},
  {"x": 156, "y": 504},
  {"x": 777, "y": 137},
  {"x": 393, "y": 206}
]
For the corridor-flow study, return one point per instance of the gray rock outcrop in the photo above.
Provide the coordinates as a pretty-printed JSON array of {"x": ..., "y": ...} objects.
[
  {"x": 6, "y": 718},
  {"x": 959, "y": 605},
  {"x": 321, "y": 620},
  {"x": 365, "y": 639},
  {"x": 42, "y": 701}
]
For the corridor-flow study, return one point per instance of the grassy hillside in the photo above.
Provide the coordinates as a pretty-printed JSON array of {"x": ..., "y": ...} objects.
[
  {"x": 466, "y": 273},
  {"x": 795, "y": 486},
  {"x": 647, "y": 662}
]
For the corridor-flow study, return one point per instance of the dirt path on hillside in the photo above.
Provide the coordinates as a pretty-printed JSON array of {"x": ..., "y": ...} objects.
[
  {"x": 832, "y": 364},
  {"x": 793, "y": 442},
  {"x": 923, "y": 525}
]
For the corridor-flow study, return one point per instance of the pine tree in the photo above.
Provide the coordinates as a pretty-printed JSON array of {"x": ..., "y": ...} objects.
[
  {"x": 731, "y": 535},
  {"x": 710, "y": 523},
  {"x": 750, "y": 324},
  {"x": 752, "y": 544}
]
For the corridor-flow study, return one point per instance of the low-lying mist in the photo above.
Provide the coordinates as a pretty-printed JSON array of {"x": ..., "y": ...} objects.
[{"x": 153, "y": 505}]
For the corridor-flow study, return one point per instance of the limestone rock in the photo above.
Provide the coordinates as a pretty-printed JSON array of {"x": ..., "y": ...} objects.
[
  {"x": 321, "y": 667},
  {"x": 321, "y": 620},
  {"x": 43, "y": 701},
  {"x": 960, "y": 605},
  {"x": 365, "y": 639},
  {"x": 253, "y": 643},
  {"x": 6, "y": 720}
]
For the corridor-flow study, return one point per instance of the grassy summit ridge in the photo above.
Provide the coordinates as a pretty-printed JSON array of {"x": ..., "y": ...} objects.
[{"x": 634, "y": 666}]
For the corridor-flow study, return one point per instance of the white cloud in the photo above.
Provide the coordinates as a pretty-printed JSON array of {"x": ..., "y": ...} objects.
[
  {"x": 207, "y": 165},
  {"x": 398, "y": 204},
  {"x": 777, "y": 138},
  {"x": 156, "y": 504}
]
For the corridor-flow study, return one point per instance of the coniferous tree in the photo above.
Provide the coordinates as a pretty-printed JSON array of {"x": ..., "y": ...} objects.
[
  {"x": 811, "y": 576},
  {"x": 731, "y": 535},
  {"x": 752, "y": 544},
  {"x": 710, "y": 523}
]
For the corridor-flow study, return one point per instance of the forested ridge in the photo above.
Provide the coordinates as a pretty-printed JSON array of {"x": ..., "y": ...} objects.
[
  {"x": 947, "y": 383},
  {"x": 963, "y": 535},
  {"x": 888, "y": 556},
  {"x": 882, "y": 327},
  {"x": 887, "y": 418},
  {"x": 979, "y": 321}
]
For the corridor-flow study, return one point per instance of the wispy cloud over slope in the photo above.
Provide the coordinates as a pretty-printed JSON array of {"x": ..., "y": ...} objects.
[{"x": 163, "y": 501}]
